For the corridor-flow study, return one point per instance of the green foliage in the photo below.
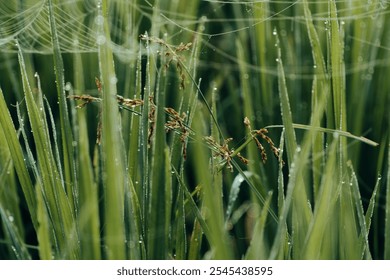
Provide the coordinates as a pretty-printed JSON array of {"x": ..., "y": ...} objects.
[{"x": 159, "y": 141}]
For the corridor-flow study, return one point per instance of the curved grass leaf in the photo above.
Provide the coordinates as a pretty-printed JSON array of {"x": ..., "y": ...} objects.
[
  {"x": 328, "y": 130},
  {"x": 16, "y": 152},
  {"x": 56, "y": 199}
]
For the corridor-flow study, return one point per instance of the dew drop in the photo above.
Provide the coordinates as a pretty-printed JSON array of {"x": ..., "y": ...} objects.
[
  {"x": 113, "y": 80},
  {"x": 99, "y": 20},
  {"x": 68, "y": 86},
  {"x": 101, "y": 39},
  {"x": 11, "y": 218}
]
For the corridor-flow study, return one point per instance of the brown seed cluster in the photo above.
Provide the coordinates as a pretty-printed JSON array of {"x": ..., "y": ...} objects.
[
  {"x": 177, "y": 123},
  {"x": 152, "y": 119},
  {"x": 173, "y": 54},
  {"x": 262, "y": 133},
  {"x": 222, "y": 151}
]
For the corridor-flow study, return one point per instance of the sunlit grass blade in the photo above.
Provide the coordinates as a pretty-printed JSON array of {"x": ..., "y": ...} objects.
[
  {"x": 319, "y": 244},
  {"x": 10, "y": 195},
  {"x": 349, "y": 247},
  {"x": 44, "y": 231}
]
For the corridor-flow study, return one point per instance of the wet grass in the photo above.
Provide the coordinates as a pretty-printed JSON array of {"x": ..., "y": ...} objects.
[{"x": 202, "y": 130}]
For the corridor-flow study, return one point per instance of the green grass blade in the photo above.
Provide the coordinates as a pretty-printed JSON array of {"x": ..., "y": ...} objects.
[
  {"x": 59, "y": 208},
  {"x": 112, "y": 149},
  {"x": 234, "y": 191},
  {"x": 301, "y": 213},
  {"x": 17, "y": 244},
  {"x": 192, "y": 203},
  {"x": 338, "y": 75},
  {"x": 88, "y": 203},
  {"x": 248, "y": 110},
  {"x": 387, "y": 210},
  {"x": 281, "y": 231},
  {"x": 371, "y": 205},
  {"x": 318, "y": 244},
  {"x": 66, "y": 131},
  {"x": 179, "y": 226},
  {"x": 159, "y": 196},
  {"x": 217, "y": 238},
  {"x": 337, "y": 66},
  {"x": 44, "y": 232},
  {"x": 328, "y": 130},
  {"x": 320, "y": 92},
  {"x": 9, "y": 192},
  {"x": 16, "y": 153},
  {"x": 134, "y": 138},
  {"x": 258, "y": 248},
  {"x": 290, "y": 138},
  {"x": 263, "y": 36}
]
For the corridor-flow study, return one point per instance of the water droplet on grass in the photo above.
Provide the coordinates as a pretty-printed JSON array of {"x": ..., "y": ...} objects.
[
  {"x": 101, "y": 39},
  {"x": 68, "y": 86},
  {"x": 99, "y": 20},
  {"x": 113, "y": 80}
]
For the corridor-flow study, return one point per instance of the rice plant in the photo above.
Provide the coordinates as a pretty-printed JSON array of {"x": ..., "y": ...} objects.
[{"x": 205, "y": 129}]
